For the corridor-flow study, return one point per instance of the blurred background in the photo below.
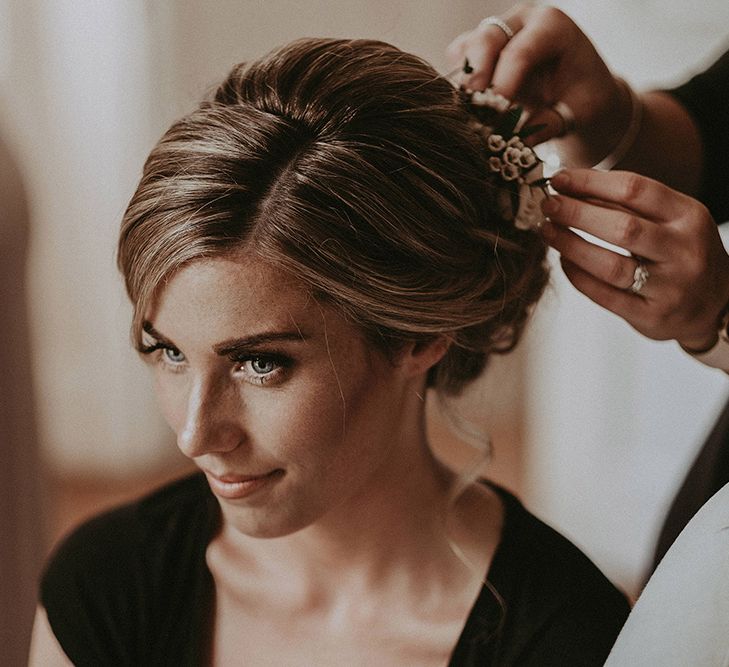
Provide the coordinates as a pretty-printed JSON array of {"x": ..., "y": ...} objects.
[{"x": 591, "y": 425}]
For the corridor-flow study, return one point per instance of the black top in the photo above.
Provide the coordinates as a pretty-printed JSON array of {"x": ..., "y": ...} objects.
[
  {"x": 706, "y": 98},
  {"x": 131, "y": 587}
]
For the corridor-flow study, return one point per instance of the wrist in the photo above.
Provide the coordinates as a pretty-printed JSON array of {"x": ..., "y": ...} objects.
[
  {"x": 601, "y": 126},
  {"x": 631, "y": 118},
  {"x": 700, "y": 345},
  {"x": 714, "y": 350}
]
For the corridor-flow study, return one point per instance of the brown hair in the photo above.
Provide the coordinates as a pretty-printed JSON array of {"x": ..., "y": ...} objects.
[{"x": 351, "y": 165}]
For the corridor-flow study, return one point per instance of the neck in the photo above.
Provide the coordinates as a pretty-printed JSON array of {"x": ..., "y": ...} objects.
[{"x": 390, "y": 527}]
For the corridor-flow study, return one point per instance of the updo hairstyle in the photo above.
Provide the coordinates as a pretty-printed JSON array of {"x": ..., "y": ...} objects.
[{"x": 350, "y": 165}]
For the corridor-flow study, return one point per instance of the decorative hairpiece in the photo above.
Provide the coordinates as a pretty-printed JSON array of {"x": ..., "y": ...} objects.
[{"x": 516, "y": 166}]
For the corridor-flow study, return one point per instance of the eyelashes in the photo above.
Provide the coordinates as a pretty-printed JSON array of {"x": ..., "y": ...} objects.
[
  {"x": 163, "y": 356},
  {"x": 149, "y": 348},
  {"x": 255, "y": 367},
  {"x": 262, "y": 368}
]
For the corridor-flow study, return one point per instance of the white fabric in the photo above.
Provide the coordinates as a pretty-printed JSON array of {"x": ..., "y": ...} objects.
[{"x": 682, "y": 617}]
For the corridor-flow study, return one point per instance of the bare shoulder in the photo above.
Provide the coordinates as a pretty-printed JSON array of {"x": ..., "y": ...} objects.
[{"x": 45, "y": 651}]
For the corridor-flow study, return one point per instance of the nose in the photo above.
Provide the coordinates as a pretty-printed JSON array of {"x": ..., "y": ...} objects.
[{"x": 211, "y": 423}]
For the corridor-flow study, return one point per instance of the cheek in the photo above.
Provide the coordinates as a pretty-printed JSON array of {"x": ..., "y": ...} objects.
[
  {"x": 304, "y": 422},
  {"x": 172, "y": 400},
  {"x": 339, "y": 414}
]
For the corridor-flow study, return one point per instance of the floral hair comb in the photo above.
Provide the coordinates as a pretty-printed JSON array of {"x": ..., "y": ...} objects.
[{"x": 520, "y": 173}]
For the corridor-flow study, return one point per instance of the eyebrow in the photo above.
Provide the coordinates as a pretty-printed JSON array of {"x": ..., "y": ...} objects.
[{"x": 234, "y": 345}]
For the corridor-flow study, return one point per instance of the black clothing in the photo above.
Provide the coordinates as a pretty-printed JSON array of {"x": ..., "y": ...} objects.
[
  {"x": 706, "y": 98},
  {"x": 132, "y": 587},
  {"x": 708, "y": 473}
]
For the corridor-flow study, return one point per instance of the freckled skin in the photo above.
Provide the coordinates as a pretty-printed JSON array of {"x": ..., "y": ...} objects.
[{"x": 338, "y": 422}]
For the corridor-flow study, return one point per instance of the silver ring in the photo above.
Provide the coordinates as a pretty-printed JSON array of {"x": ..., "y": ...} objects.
[
  {"x": 640, "y": 278},
  {"x": 499, "y": 23},
  {"x": 564, "y": 111}
]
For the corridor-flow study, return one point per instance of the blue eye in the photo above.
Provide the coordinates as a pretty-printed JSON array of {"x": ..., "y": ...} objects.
[
  {"x": 263, "y": 365},
  {"x": 173, "y": 355},
  {"x": 264, "y": 368}
]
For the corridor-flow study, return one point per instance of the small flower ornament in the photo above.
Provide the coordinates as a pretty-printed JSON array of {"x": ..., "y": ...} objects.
[{"x": 516, "y": 166}]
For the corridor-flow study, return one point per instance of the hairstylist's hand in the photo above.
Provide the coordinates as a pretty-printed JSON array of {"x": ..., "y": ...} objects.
[
  {"x": 549, "y": 60},
  {"x": 673, "y": 234}
]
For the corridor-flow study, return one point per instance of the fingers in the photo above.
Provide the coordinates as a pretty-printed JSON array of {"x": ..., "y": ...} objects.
[
  {"x": 609, "y": 267},
  {"x": 554, "y": 126},
  {"x": 686, "y": 284},
  {"x": 640, "y": 194},
  {"x": 616, "y": 226},
  {"x": 482, "y": 48},
  {"x": 456, "y": 50},
  {"x": 541, "y": 37},
  {"x": 540, "y": 40},
  {"x": 621, "y": 302}
]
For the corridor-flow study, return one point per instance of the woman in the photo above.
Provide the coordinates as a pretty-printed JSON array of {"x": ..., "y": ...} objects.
[{"x": 307, "y": 253}]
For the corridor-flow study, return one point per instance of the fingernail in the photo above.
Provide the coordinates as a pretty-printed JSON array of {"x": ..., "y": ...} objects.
[
  {"x": 560, "y": 180},
  {"x": 550, "y": 205},
  {"x": 547, "y": 230}
]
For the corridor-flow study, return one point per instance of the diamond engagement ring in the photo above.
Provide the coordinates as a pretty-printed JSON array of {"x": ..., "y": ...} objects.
[
  {"x": 640, "y": 278},
  {"x": 499, "y": 23}
]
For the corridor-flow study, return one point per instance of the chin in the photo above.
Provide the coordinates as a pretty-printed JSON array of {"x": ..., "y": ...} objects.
[{"x": 265, "y": 524}]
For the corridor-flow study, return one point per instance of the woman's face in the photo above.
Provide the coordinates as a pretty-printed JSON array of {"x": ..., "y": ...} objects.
[{"x": 278, "y": 399}]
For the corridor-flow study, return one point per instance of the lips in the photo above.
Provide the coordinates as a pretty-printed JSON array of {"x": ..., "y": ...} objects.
[{"x": 234, "y": 487}]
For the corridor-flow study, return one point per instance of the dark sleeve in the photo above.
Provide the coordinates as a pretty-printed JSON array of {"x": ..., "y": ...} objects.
[
  {"x": 706, "y": 98},
  {"x": 87, "y": 590}
]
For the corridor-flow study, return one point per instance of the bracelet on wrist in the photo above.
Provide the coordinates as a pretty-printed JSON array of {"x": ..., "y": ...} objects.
[{"x": 631, "y": 133}]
